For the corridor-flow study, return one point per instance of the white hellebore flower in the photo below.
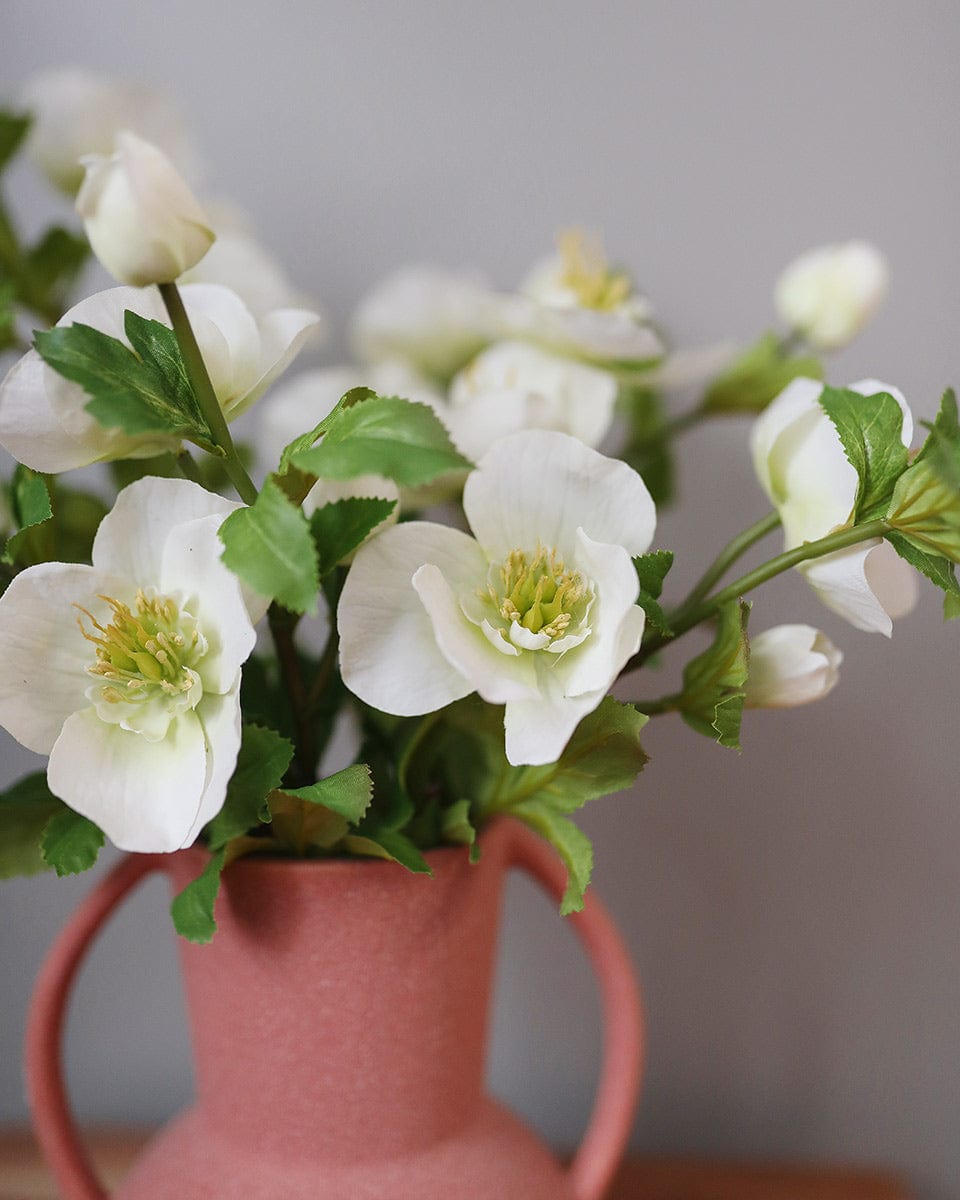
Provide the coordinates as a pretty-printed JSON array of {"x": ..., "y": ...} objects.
[
  {"x": 512, "y": 386},
  {"x": 574, "y": 303},
  {"x": 127, "y": 672},
  {"x": 433, "y": 319},
  {"x": 43, "y": 417},
  {"x": 143, "y": 222},
  {"x": 78, "y": 113},
  {"x": 829, "y": 294},
  {"x": 536, "y": 611},
  {"x": 791, "y": 665},
  {"x": 802, "y": 467}
]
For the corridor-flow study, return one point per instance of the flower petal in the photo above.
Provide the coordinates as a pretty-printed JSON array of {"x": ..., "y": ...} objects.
[
  {"x": 538, "y": 730},
  {"x": 283, "y": 334},
  {"x": 388, "y": 653},
  {"x": 538, "y": 487},
  {"x": 798, "y": 398},
  {"x": 220, "y": 720},
  {"x": 43, "y": 651},
  {"x": 30, "y": 427},
  {"x": 145, "y": 796},
  {"x": 868, "y": 585}
]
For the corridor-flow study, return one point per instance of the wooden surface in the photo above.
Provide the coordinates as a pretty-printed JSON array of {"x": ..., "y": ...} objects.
[{"x": 24, "y": 1177}]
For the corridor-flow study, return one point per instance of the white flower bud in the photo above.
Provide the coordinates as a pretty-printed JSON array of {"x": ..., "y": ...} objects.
[
  {"x": 829, "y": 294},
  {"x": 791, "y": 665},
  {"x": 144, "y": 223}
]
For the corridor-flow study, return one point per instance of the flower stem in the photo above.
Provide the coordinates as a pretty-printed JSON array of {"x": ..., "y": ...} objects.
[
  {"x": 724, "y": 560},
  {"x": 206, "y": 396},
  {"x": 701, "y": 612}
]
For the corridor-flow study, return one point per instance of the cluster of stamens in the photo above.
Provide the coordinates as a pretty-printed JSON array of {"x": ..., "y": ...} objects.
[
  {"x": 538, "y": 593},
  {"x": 141, "y": 649},
  {"x": 587, "y": 273}
]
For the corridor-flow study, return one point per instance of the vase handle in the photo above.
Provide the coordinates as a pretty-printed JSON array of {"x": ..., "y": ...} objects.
[
  {"x": 606, "y": 1137},
  {"x": 53, "y": 1121}
]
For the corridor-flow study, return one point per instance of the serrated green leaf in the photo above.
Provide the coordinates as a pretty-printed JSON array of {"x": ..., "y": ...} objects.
[
  {"x": 306, "y": 440},
  {"x": 347, "y": 793},
  {"x": 712, "y": 698},
  {"x": 870, "y": 429},
  {"x": 387, "y": 436},
  {"x": 376, "y": 841},
  {"x": 192, "y": 909},
  {"x": 25, "y": 810},
  {"x": 651, "y": 570},
  {"x": 269, "y": 547},
  {"x": 14, "y": 127},
  {"x": 29, "y": 506},
  {"x": 136, "y": 394},
  {"x": 338, "y": 528},
  {"x": 571, "y": 843},
  {"x": 70, "y": 842},
  {"x": 951, "y": 606},
  {"x": 264, "y": 757},
  {"x": 937, "y": 569},
  {"x": 758, "y": 376}
]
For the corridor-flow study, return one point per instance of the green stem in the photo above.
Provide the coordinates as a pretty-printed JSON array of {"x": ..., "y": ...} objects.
[
  {"x": 187, "y": 467},
  {"x": 282, "y": 625},
  {"x": 766, "y": 571},
  {"x": 725, "y": 559},
  {"x": 206, "y": 396}
]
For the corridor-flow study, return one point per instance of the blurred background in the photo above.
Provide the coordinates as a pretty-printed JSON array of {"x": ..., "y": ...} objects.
[{"x": 793, "y": 911}]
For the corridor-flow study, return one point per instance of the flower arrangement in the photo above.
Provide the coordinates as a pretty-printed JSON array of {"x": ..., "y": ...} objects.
[{"x": 451, "y": 546}]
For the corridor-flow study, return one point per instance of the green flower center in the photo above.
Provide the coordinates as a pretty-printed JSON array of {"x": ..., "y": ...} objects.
[
  {"x": 537, "y": 592},
  {"x": 146, "y": 652},
  {"x": 585, "y": 270}
]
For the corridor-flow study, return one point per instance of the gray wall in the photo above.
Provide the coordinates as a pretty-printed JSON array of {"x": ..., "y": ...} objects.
[{"x": 794, "y": 911}]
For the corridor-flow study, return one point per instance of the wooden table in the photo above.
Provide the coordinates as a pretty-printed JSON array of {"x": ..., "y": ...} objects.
[{"x": 23, "y": 1175}]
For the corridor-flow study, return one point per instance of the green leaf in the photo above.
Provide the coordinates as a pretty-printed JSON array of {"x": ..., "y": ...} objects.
[
  {"x": 269, "y": 546},
  {"x": 14, "y": 127},
  {"x": 938, "y": 570},
  {"x": 648, "y": 444},
  {"x": 712, "y": 698},
  {"x": 127, "y": 390},
  {"x": 456, "y": 825},
  {"x": 25, "y": 810},
  {"x": 377, "y": 841},
  {"x": 951, "y": 606},
  {"x": 56, "y": 260},
  {"x": 347, "y": 793},
  {"x": 306, "y": 440},
  {"x": 651, "y": 570},
  {"x": 192, "y": 910},
  {"x": 8, "y": 314},
  {"x": 383, "y": 436},
  {"x": 870, "y": 429},
  {"x": 264, "y": 757},
  {"x": 338, "y": 528},
  {"x": 29, "y": 505},
  {"x": 70, "y": 843},
  {"x": 571, "y": 843},
  {"x": 757, "y": 377}
]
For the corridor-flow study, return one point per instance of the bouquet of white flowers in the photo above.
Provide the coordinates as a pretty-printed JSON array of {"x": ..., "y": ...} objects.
[{"x": 451, "y": 542}]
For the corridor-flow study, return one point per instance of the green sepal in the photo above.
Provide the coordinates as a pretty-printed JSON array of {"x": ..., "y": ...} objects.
[
  {"x": 29, "y": 505},
  {"x": 25, "y": 810},
  {"x": 383, "y": 435},
  {"x": 306, "y": 440},
  {"x": 338, "y": 528},
  {"x": 870, "y": 429},
  {"x": 70, "y": 842},
  {"x": 141, "y": 391},
  {"x": 269, "y": 546},
  {"x": 264, "y": 757},
  {"x": 192, "y": 909},
  {"x": 925, "y": 506},
  {"x": 758, "y": 376},
  {"x": 14, "y": 127},
  {"x": 651, "y": 571},
  {"x": 713, "y": 683}
]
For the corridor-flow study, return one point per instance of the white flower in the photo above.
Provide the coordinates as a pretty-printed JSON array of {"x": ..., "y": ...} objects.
[
  {"x": 512, "y": 386},
  {"x": 802, "y": 467},
  {"x": 127, "y": 672},
  {"x": 574, "y": 303},
  {"x": 537, "y": 611},
  {"x": 829, "y": 294},
  {"x": 791, "y": 665},
  {"x": 77, "y": 113},
  {"x": 43, "y": 417},
  {"x": 435, "y": 320},
  {"x": 143, "y": 222}
]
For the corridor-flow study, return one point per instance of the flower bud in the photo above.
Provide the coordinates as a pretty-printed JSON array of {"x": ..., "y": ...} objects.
[
  {"x": 829, "y": 294},
  {"x": 143, "y": 222},
  {"x": 791, "y": 665}
]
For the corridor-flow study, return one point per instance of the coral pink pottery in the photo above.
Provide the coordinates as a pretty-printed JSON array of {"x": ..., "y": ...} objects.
[{"x": 339, "y": 1021}]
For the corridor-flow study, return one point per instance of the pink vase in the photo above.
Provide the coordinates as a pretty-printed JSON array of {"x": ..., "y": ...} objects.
[{"x": 339, "y": 1023}]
